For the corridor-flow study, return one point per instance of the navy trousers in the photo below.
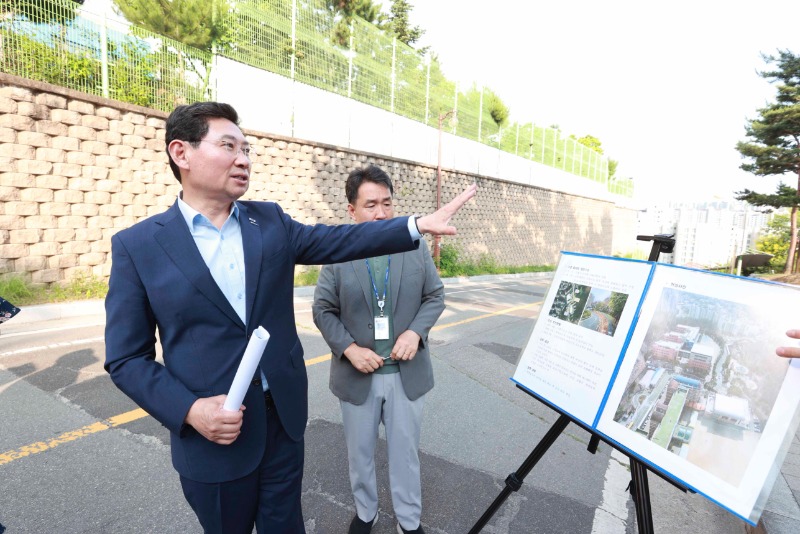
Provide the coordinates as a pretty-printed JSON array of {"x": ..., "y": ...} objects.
[{"x": 268, "y": 498}]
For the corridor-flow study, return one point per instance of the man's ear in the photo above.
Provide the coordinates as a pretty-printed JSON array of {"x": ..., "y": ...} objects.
[
  {"x": 179, "y": 153},
  {"x": 351, "y": 211}
]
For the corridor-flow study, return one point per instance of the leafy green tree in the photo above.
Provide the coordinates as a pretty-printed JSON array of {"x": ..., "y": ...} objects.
[
  {"x": 773, "y": 145},
  {"x": 497, "y": 108},
  {"x": 345, "y": 10},
  {"x": 399, "y": 24},
  {"x": 612, "y": 168},
  {"x": 201, "y": 24},
  {"x": 365, "y": 9},
  {"x": 775, "y": 240},
  {"x": 590, "y": 142},
  {"x": 784, "y": 197}
]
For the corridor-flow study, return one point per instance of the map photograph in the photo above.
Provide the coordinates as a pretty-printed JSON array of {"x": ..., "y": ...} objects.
[
  {"x": 705, "y": 381},
  {"x": 603, "y": 310},
  {"x": 569, "y": 301}
]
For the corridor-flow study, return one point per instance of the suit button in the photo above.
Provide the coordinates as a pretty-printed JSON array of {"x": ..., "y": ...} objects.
[{"x": 369, "y": 326}]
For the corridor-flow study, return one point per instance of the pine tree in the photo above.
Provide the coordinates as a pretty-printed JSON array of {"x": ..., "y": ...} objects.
[
  {"x": 773, "y": 147},
  {"x": 201, "y": 24},
  {"x": 347, "y": 9},
  {"x": 401, "y": 26}
]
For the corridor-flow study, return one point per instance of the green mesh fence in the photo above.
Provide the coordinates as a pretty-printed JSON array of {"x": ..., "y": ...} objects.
[
  {"x": 261, "y": 41},
  {"x": 300, "y": 39},
  {"x": 47, "y": 40}
]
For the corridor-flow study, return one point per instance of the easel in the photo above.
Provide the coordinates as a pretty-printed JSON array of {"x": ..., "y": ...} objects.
[{"x": 638, "y": 486}]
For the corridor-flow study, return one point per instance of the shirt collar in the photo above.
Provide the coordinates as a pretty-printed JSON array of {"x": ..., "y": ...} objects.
[{"x": 192, "y": 216}]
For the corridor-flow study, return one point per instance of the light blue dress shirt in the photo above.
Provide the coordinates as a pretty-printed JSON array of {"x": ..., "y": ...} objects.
[{"x": 223, "y": 253}]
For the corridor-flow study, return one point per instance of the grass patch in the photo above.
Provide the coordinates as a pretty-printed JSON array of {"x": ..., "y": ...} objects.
[
  {"x": 307, "y": 278},
  {"x": 20, "y": 292},
  {"x": 451, "y": 265}
]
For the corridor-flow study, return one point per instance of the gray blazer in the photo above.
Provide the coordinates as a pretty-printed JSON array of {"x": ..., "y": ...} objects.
[{"x": 343, "y": 313}]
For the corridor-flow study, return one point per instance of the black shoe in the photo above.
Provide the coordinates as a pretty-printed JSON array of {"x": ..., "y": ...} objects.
[
  {"x": 357, "y": 526},
  {"x": 418, "y": 530}
]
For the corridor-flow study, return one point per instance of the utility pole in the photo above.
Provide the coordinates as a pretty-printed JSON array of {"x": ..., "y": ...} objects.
[{"x": 437, "y": 239}]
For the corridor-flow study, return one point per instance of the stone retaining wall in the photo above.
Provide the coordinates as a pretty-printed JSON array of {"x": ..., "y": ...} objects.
[{"x": 75, "y": 169}]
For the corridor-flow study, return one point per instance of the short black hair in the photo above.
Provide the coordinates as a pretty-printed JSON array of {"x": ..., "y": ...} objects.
[
  {"x": 189, "y": 123},
  {"x": 372, "y": 174}
]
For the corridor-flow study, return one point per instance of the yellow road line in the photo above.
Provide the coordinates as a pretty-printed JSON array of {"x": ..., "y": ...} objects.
[
  {"x": 133, "y": 415},
  {"x": 127, "y": 417},
  {"x": 484, "y": 316},
  {"x": 318, "y": 359},
  {"x": 72, "y": 435}
]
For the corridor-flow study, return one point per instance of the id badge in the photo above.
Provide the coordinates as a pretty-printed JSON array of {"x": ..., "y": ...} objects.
[{"x": 381, "y": 328}]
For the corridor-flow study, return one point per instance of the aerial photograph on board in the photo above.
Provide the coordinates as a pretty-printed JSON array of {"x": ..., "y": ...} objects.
[
  {"x": 569, "y": 301},
  {"x": 704, "y": 382}
]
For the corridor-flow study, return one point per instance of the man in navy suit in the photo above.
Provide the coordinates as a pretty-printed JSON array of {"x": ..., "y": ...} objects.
[{"x": 205, "y": 274}]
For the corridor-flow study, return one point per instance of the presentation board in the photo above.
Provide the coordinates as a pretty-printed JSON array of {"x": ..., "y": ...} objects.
[{"x": 675, "y": 366}]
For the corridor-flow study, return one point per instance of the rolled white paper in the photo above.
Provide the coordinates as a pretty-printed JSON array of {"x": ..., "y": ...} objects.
[{"x": 247, "y": 368}]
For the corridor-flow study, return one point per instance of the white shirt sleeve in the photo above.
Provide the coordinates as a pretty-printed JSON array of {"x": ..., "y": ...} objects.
[{"x": 412, "y": 228}]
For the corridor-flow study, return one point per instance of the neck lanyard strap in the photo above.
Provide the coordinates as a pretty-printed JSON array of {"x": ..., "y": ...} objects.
[{"x": 381, "y": 301}]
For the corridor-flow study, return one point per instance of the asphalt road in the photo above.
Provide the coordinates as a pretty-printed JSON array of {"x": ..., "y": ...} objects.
[{"x": 76, "y": 455}]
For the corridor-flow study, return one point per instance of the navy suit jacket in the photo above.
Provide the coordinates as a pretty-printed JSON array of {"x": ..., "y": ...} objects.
[{"x": 160, "y": 282}]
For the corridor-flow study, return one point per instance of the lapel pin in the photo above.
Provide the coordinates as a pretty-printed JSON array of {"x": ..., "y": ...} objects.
[{"x": 253, "y": 221}]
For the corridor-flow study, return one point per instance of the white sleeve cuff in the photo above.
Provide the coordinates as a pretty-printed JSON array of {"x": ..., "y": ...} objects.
[{"x": 412, "y": 228}]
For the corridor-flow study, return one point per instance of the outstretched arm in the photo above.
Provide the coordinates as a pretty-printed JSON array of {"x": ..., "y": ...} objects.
[{"x": 438, "y": 222}]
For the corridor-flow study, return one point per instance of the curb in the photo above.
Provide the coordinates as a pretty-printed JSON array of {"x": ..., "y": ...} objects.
[
  {"x": 61, "y": 310},
  {"x": 82, "y": 308}
]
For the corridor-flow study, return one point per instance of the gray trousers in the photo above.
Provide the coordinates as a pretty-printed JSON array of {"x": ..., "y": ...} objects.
[{"x": 402, "y": 418}]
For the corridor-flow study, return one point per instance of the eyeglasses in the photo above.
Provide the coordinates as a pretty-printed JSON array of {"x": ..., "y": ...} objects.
[{"x": 233, "y": 148}]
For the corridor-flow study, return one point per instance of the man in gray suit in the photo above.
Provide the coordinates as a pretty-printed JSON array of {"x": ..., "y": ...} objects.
[{"x": 375, "y": 315}]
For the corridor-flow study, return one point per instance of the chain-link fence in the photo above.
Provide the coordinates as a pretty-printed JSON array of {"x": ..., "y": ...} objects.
[{"x": 301, "y": 39}]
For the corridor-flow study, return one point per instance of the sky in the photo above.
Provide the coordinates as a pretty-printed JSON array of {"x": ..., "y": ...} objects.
[{"x": 667, "y": 87}]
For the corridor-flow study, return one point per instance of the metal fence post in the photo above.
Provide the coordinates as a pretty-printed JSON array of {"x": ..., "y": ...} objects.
[
  {"x": 572, "y": 169},
  {"x": 530, "y": 147},
  {"x": 455, "y": 106},
  {"x": 294, "y": 37},
  {"x": 428, "y": 88},
  {"x": 104, "y": 56},
  {"x": 350, "y": 57},
  {"x": 480, "y": 115},
  {"x": 544, "y": 138},
  {"x": 394, "y": 72}
]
